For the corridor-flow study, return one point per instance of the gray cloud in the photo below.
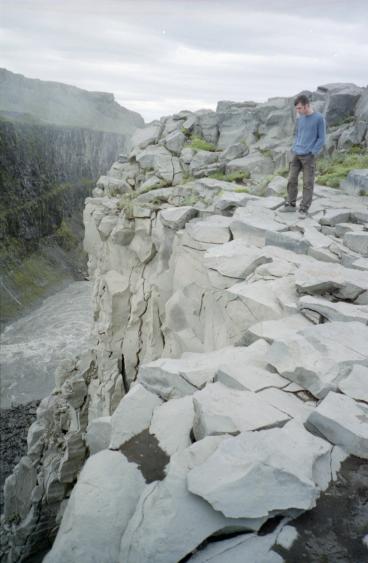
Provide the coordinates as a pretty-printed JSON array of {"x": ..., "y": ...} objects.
[{"x": 160, "y": 56}]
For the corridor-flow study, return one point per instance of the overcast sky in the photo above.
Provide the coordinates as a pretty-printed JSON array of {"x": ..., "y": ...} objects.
[{"x": 161, "y": 56}]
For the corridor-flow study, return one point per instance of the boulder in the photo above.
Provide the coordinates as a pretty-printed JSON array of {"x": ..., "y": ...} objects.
[
  {"x": 355, "y": 385},
  {"x": 342, "y": 421},
  {"x": 223, "y": 410},
  {"x": 341, "y": 100},
  {"x": 201, "y": 159},
  {"x": 249, "y": 377},
  {"x": 174, "y": 142},
  {"x": 169, "y": 521},
  {"x": 98, "y": 511},
  {"x": 149, "y": 135},
  {"x": 358, "y": 242},
  {"x": 319, "y": 309},
  {"x": 343, "y": 283},
  {"x": 253, "y": 224},
  {"x": 133, "y": 414},
  {"x": 98, "y": 434},
  {"x": 255, "y": 163},
  {"x": 235, "y": 259},
  {"x": 319, "y": 357},
  {"x": 286, "y": 467},
  {"x": 175, "y": 218},
  {"x": 277, "y": 186},
  {"x": 356, "y": 182},
  {"x": 172, "y": 423},
  {"x": 277, "y": 329},
  {"x": 237, "y": 150},
  {"x": 213, "y": 229},
  {"x": 158, "y": 159},
  {"x": 286, "y": 402}
]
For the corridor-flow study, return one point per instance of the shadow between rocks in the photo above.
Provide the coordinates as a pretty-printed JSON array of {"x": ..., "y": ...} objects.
[{"x": 144, "y": 450}]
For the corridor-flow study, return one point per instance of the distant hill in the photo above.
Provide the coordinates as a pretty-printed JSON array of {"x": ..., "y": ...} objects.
[{"x": 62, "y": 104}]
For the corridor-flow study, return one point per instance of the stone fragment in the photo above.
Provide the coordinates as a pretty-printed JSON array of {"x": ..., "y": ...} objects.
[
  {"x": 98, "y": 435},
  {"x": 334, "y": 216},
  {"x": 99, "y": 509},
  {"x": 358, "y": 242},
  {"x": 249, "y": 377},
  {"x": 214, "y": 229},
  {"x": 223, "y": 410},
  {"x": 175, "y": 218},
  {"x": 149, "y": 135},
  {"x": 344, "y": 283},
  {"x": 174, "y": 142},
  {"x": 241, "y": 549},
  {"x": 228, "y": 201},
  {"x": 356, "y": 383},
  {"x": 169, "y": 521},
  {"x": 342, "y": 228},
  {"x": 319, "y": 357},
  {"x": 172, "y": 423},
  {"x": 18, "y": 488},
  {"x": 253, "y": 225},
  {"x": 175, "y": 378},
  {"x": 286, "y": 468},
  {"x": 342, "y": 421},
  {"x": 286, "y": 403},
  {"x": 331, "y": 310},
  {"x": 269, "y": 330},
  {"x": 74, "y": 390},
  {"x": 237, "y": 150},
  {"x": 259, "y": 299},
  {"x": 289, "y": 240},
  {"x": 106, "y": 226},
  {"x": 235, "y": 259},
  {"x": 356, "y": 182},
  {"x": 277, "y": 186},
  {"x": 133, "y": 414}
]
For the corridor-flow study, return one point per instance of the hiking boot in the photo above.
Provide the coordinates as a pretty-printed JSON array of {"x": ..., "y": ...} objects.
[
  {"x": 303, "y": 213},
  {"x": 288, "y": 208}
]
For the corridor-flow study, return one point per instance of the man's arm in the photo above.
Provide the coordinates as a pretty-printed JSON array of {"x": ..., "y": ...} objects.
[{"x": 321, "y": 136}]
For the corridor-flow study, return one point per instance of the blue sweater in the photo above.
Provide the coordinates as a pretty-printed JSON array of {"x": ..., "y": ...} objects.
[{"x": 310, "y": 134}]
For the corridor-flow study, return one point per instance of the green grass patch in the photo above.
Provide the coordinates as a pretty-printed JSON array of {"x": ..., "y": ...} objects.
[
  {"x": 199, "y": 144},
  {"x": 332, "y": 170},
  {"x": 65, "y": 236},
  {"x": 237, "y": 176}
]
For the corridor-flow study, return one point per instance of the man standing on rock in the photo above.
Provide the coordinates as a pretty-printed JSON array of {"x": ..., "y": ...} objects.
[{"x": 310, "y": 137}]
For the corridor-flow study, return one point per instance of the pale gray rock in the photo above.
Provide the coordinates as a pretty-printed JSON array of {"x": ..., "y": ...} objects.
[
  {"x": 259, "y": 299},
  {"x": 319, "y": 357},
  {"x": 321, "y": 309},
  {"x": 287, "y": 403},
  {"x": 252, "y": 225},
  {"x": 249, "y": 377},
  {"x": 106, "y": 226},
  {"x": 113, "y": 186},
  {"x": 74, "y": 390},
  {"x": 172, "y": 423},
  {"x": 213, "y": 229},
  {"x": 289, "y": 240},
  {"x": 176, "y": 218},
  {"x": 241, "y": 549},
  {"x": 270, "y": 202},
  {"x": 228, "y": 201},
  {"x": 342, "y": 421},
  {"x": 123, "y": 232},
  {"x": 187, "y": 155},
  {"x": 149, "y": 135},
  {"x": 341, "y": 100},
  {"x": 150, "y": 184},
  {"x": 358, "y": 242},
  {"x": 143, "y": 246},
  {"x": 287, "y": 537},
  {"x": 237, "y": 150},
  {"x": 174, "y": 142},
  {"x": 201, "y": 159},
  {"x": 208, "y": 123},
  {"x": 255, "y": 163},
  {"x": 175, "y": 378},
  {"x": 159, "y": 159},
  {"x": 223, "y": 410},
  {"x": 356, "y": 182},
  {"x": 333, "y": 217},
  {"x": 18, "y": 489},
  {"x": 342, "y": 228},
  {"x": 98, "y": 434},
  {"x": 277, "y": 186},
  {"x": 356, "y": 383},
  {"x": 277, "y": 329},
  {"x": 287, "y": 467},
  {"x": 133, "y": 415},
  {"x": 234, "y": 259},
  {"x": 169, "y": 521},
  {"x": 100, "y": 507},
  {"x": 343, "y": 283}
]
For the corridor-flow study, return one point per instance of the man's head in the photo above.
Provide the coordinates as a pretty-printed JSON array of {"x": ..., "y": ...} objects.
[{"x": 302, "y": 105}]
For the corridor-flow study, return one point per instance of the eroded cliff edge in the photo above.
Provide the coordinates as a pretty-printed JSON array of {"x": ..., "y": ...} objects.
[{"x": 244, "y": 332}]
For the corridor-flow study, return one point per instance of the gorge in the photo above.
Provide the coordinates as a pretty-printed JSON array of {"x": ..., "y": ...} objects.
[{"x": 226, "y": 381}]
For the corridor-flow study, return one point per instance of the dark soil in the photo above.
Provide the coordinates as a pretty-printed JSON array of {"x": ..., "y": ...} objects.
[{"x": 14, "y": 424}]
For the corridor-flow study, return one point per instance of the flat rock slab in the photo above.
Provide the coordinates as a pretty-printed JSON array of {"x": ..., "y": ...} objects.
[
  {"x": 358, "y": 242},
  {"x": 172, "y": 423},
  {"x": 175, "y": 378},
  {"x": 241, "y": 549},
  {"x": 235, "y": 259},
  {"x": 319, "y": 357},
  {"x": 176, "y": 218},
  {"x": 286, "y": 402},
  {"x": 271, "y": 330},
  {"x": 98, "y": 511},
  {"x": 342, "y": 421},
  {"x": 132, "y": 415},
  {"x": 222, "y": 410},
  {"x": 259, "y": 299},
  {"x": 213, "y": 229},
  {"x": 356, "y": 384},
  {"x": 249, "y": 377},
  {"x": 170, "y": 522},
  {"x": 252, "y": 225},
  {"x": 289, "y": 240},
  {"x": 344, "y": 283},
  {"x": 318, "y": 308},
  {"x": 261, "y": 474}
]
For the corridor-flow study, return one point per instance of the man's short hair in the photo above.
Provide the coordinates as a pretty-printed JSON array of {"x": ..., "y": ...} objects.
[{"x": 302, "y": 99}]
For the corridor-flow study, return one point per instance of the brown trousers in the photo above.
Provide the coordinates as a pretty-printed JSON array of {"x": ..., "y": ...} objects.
[{"x": 307, "y": 163}]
